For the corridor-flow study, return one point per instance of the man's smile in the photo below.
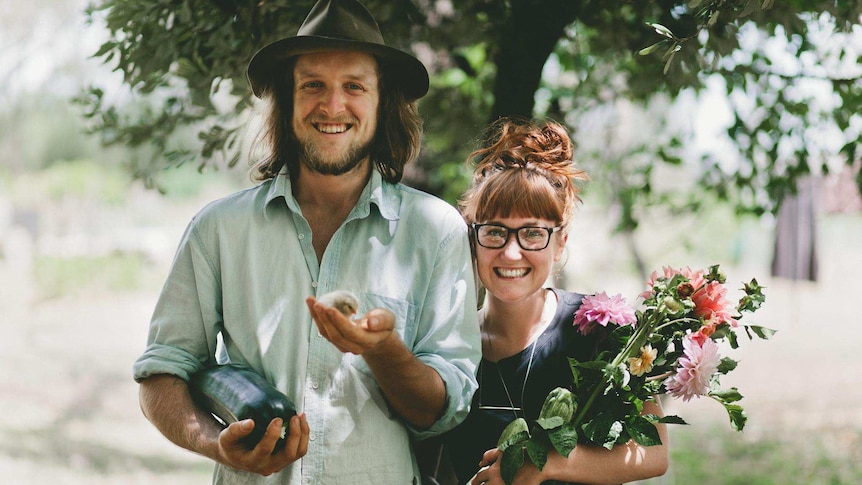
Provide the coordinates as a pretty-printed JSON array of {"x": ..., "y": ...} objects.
[{"x": 332, "y": 129}]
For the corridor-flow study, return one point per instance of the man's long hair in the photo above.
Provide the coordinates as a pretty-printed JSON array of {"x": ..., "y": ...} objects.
[{"x": 396, "y": 142}]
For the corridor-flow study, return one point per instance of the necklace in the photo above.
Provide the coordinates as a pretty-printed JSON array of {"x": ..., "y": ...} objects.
[
  {"x": 511, "y": 406},
  {"x": 547, "y": 313}
]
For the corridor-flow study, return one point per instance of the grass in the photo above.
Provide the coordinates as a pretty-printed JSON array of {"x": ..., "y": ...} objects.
[
  {"x": 716, "y": 455},
  {"x": 65, "y": 276}
]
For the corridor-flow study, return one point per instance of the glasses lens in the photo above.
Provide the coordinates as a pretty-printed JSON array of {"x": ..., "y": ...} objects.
[
  {"x": 492, "y": 236},
  {"x": 533, "y": 237}
]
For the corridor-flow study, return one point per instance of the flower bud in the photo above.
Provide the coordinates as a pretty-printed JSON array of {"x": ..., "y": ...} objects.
[
  {"x": 684, "y": 290},
  {"x": 672, "y": 304},
  {"x": 560, "y": 403}
]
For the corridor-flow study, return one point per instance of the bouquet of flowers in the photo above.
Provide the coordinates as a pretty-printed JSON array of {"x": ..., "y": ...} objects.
[{"x": 669, "y": 346}]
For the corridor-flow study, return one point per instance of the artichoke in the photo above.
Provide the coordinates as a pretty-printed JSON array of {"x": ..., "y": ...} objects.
[{"x": 560, "y": 403}]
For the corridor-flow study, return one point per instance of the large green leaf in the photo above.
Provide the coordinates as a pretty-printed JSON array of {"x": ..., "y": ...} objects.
[
  {"x": 643, "y": 431},
  {"x": 564, "y": 439}
]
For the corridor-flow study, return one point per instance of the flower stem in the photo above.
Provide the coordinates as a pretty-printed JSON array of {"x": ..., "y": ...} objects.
[
  {"x": 634, "y": 342},
  {"x": 660, "y": 376},
  {"x": 672, "y": 322}
]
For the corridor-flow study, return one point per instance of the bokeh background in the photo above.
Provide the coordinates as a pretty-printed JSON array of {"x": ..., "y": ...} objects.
[{"x": 85, "y": 247}]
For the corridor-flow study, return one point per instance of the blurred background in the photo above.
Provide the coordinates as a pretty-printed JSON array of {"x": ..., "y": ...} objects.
[{"x": 737, "y": 148}]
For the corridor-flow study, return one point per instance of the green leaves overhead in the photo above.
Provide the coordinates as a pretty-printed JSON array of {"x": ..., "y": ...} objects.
[{"x": 184, "y": 62}]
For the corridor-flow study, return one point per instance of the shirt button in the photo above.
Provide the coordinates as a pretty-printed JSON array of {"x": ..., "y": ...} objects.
[
  {"x": 301, "y": 237},
  {"x": 314, "y": 385},
  {"x": 314, "y": 284},
  {"x": 312, "y": 437}
]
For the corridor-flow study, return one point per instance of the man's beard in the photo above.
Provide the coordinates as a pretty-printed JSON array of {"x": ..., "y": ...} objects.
[{"x": 317, "y": 162}]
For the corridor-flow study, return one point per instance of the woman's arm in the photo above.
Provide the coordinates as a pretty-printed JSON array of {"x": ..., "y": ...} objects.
[{"x": 590, "y": 464}]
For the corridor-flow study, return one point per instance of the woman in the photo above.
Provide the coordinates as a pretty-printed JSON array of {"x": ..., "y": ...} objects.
[{"x": 519, "y": 207}]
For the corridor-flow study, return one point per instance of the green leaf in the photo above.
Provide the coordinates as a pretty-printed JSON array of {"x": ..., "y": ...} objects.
[
  {"x": 649, "y": 50},
  {"x": 564, "y": 439},
  {"x": 668, "y": 62},
  {"x": 672, "y": 419},
  {"x": 762, "y": 332},
  {"x": 713, "y": 18},
  {"x": 105, "y": 48},
  {"x": 592, "y": 365},
  {"x": 603, "y": 430},
  {"x": 753, "y": 298},
  {"x": 731, "y": 338},
  {"x": 737, "y": 415},
  {"x": 516, "y": 432},
  {"x": 538, "y": 454},
  {"x": 643, "y": 431},
  {"x": 550, "y": 423},
  {"x": 729, "y": 395},
  {"x": 511, "y": 462},
  {"x": 662, "y": 30},
  {"x": 722, "y": 330},
  {"x": 726, "y": 365}
]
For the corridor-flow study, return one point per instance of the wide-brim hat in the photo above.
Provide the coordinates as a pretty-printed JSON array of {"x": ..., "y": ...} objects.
[{"x": 339, "y": 25}]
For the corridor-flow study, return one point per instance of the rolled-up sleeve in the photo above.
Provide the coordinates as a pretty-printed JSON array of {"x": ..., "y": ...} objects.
[
  {"x": 185, "y": 323},
  {"x": 448, "y": 338}
]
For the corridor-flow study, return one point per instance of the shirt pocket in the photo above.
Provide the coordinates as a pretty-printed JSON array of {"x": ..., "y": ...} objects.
[
  {"x": 403, "y": 310},
  {"x": 404, "y": 325}
]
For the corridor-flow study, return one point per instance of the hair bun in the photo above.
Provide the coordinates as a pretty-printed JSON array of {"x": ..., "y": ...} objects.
[{"x": 517, "y": 143}]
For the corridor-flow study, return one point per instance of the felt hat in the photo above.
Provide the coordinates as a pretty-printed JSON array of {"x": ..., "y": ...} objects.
[{"x": 339, "y": 25}]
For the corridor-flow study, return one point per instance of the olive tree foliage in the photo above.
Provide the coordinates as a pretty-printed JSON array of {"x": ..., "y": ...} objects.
[{"x": 788, "y": 73}]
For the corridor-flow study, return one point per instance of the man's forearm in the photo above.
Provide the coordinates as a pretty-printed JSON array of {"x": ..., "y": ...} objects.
[
  {"x": 414, "y": 389},
  {"x": 166, "y": 402}
]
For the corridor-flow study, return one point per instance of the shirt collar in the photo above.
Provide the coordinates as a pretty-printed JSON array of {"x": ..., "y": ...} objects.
[{"x": 382, "y": 194}]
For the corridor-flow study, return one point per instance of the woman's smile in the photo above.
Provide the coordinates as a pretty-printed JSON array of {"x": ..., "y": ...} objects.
[{"x": 511, "y": 272}]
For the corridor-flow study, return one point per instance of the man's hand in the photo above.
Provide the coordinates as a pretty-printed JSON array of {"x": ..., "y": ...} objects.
[
  {"x": 414, "y": 389},
  {"x": 263, "y": 459},
  {"x": 353, "y": 336}
]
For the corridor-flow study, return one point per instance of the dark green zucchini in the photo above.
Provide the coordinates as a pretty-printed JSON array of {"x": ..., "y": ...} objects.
[{"x": 234, "y": 392}]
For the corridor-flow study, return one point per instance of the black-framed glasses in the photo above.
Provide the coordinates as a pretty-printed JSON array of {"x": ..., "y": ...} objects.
[{"x": 530, "y": 238}]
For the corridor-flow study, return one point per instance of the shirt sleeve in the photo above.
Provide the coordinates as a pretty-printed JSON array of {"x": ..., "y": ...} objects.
[
  {"x": 448, "y": 337},
  {"x": 187, "y": 318}
]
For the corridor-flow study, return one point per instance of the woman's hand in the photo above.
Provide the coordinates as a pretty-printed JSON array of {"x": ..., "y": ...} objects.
[{"x": 490, "y": 473}]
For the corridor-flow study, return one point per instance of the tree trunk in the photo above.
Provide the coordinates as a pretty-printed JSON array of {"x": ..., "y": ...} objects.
[{"x": 527, "y": 38}]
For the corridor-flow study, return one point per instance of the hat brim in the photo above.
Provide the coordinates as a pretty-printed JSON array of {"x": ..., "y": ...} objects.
[{"x": 404, "y": 70}]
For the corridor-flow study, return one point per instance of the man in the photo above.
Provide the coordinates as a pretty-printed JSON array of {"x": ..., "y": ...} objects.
[{"x": 329, "y": 215}]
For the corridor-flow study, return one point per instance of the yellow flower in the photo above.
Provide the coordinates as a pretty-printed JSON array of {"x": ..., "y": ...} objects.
[{"x": 642, "y": 364}]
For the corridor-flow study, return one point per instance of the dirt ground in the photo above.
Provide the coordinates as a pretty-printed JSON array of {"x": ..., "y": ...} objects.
[{"x": 69, "y": 411}]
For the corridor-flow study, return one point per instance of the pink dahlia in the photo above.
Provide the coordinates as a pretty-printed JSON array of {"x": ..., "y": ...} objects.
[
  {"x": 601, "y": 309},
  {"x": 697, "y": 365},
  {"x": 711, "y": 305},
  {"x": 695, "y": 277}
]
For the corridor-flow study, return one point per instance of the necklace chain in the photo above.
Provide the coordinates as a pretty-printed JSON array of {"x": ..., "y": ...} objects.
[
  {"x": 547, "y": 314},
  {"x": 512, "y": 407}
]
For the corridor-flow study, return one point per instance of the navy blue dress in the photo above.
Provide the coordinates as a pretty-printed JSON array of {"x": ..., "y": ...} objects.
[{"x": 550, "y": 369}]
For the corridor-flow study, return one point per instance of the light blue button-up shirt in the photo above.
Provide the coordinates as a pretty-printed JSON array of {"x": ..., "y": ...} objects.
[{"x": 242, "y": 272}]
